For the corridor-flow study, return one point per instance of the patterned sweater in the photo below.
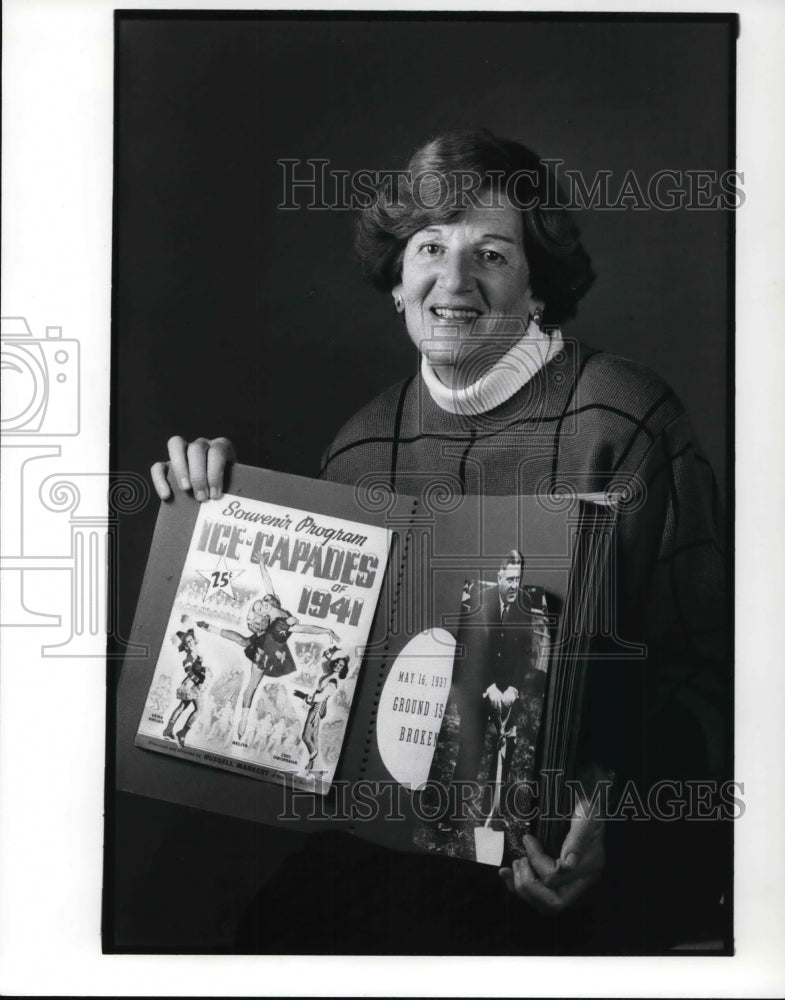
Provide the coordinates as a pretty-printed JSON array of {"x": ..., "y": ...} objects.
[{"x": 589, "y": 421}]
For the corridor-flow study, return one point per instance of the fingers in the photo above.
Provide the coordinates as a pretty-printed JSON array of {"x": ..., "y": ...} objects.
[
  {"x": 582, "y": 853},
  {"x": 522, "y": 881},
  {"x": 158, "y": 476},
  {"x": 578, "y": 867},
  {"x": 199, "y": 466},
  {"x": 176, "y": 447},
  {"x": 220, "y": 454},
  {"x": 583, "y": 838},
  {"x": 529, "y": 887},
  {"x": 579, "y": 859},
  {"x": 508, "y": 877},
  {"x": 541, "y": 863}
]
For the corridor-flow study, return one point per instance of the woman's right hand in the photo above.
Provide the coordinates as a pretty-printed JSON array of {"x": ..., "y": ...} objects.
[{"x": 199, "y": 466}]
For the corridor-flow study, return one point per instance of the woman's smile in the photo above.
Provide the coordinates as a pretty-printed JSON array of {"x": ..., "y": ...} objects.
[{"x": 460, "y": 313}]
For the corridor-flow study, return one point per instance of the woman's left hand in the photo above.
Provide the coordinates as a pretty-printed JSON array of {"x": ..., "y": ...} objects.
[{"x": 549, "y": 885}]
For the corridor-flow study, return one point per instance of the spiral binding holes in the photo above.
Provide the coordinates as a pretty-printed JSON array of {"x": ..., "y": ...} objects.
[{"x": 385, "y": 649}]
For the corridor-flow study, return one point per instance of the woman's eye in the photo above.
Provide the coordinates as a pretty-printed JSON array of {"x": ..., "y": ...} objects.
[
  {"x": 430, "y": 249},
  {"x": 492, "y": 257}
]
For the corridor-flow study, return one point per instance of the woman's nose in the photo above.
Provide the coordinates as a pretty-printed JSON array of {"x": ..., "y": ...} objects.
[{"x": 456, "y": 273}]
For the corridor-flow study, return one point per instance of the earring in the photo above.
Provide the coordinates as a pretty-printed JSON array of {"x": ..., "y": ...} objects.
[
  {"x": 536, "y": 316},
  {"x": 398, "y": 304}
]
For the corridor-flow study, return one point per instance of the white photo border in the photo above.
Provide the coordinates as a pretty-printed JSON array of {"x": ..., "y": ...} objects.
[{"x": 56, "y": 258}]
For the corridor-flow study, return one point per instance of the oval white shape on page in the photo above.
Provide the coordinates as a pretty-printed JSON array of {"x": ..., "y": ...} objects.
[{"x": 412, "y": 705}]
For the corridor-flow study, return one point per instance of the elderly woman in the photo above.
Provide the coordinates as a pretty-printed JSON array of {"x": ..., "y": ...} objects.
[{"x": 484, "y": 267}]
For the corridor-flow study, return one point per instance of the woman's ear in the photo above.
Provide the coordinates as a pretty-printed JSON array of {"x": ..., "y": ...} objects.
[{"x": 397, "y": 294}]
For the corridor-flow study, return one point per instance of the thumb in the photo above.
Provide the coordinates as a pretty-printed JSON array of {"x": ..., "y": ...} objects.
[
  {"x": 584, "y": 831},
  {"x": 508, "y": 877}
]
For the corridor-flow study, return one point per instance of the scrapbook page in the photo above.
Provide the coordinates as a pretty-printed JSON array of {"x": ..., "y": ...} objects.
[{"x": 399, "y": 670}]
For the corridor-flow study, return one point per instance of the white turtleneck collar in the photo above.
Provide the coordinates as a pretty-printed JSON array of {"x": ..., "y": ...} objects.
[{"x": 510, "y": 373}]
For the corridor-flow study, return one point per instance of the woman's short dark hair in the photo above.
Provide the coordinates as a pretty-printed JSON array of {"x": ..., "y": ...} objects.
[
  {"x": 332, "y": 661},
  {"x": 461, "y": 169},
  {"x": 344, "y": 661}
]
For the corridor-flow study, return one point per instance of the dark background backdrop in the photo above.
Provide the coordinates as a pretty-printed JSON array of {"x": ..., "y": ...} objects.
[{"x": 233, "y": 317}]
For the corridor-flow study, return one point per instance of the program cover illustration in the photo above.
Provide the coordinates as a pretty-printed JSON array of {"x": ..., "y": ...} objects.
[{"x": 264, "y": 641}]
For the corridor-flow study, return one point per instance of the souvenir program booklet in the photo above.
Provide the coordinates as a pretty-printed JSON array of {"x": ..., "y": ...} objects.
[
  {"x": 378, "y": 659},
  {"x": 264, "y": 641}
]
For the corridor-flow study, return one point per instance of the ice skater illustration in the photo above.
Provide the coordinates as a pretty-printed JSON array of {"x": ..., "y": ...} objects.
[
  {"x": 266, "y": 647},
  {"x": 335, "y": 667},
  {"x": 189, "y": 691}
]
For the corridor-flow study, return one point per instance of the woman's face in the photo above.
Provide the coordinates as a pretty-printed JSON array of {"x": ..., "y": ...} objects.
[
  {"x": 334, "y": 666},
  {"x": 271, "y": 610},
  {"x": 255, "y": 620},
  {"x": 465, "y": 291}
]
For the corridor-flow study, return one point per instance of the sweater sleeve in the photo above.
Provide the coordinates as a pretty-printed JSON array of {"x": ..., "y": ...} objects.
[
  {"x": 669, "y": 726},
  {"x": 665, "y": 714},
  {"x": 686, "y": 611}
]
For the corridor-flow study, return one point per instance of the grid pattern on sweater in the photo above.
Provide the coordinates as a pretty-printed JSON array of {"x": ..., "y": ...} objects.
[{"x": 586, "y": 422}]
